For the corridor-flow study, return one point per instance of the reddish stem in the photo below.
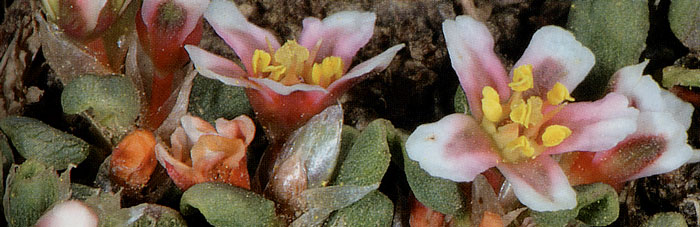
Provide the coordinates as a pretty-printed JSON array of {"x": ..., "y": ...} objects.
[{"x": 161, "y": 88}]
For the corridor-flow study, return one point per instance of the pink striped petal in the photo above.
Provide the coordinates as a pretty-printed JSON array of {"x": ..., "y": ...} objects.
[
  {"x": 647, "y": 96},
  {"x": 658, "y": 146},
  {"x": 556, "y": 56},
  {"x": 215, "y": 67},
  {"x": 470, "y": 46},
  {"x": 193, "y": 12},
  {"x": 595, "y": 126},
  {"x": 241, "y": 127},
  {"x": 341, "y": 34},
  {"x": 355, "y": 75},
  {"x": 196, "y": 127},
  {"x": 241, "y": 35},
  {"x": 540, "y": 184},
  {"x": 455, "y": 148}
]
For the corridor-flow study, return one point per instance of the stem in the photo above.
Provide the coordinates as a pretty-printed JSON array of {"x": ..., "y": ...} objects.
[{"x": 161, "y": 88}]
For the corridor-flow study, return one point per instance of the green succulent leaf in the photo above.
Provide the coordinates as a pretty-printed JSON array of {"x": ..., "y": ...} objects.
[
  {"x": 684, "y": 17},
  {"x": 666, "y": 219},
  {"x": 615, "y": 31},
  {"x": 226, "y": 205},
  {"x": 32, "y": 188},
  {"x": 460, "y": 102},
  {"x": 112, "y": 102},
  {"x": 36, "y": 140},
  {"x": 597, "y": 205},
  {"x": 375, "y": 209},
  {"x": 675, "y": 75},
  {"x": 211, "y": 99},
  {"x": 369, "y": 157}
]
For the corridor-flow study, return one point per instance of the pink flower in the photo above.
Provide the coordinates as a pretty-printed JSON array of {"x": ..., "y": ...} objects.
[
  {"x": 516, "y": 126},
  {"x": 69, "y": 213},
  {"x": 82, "y": 19},
  {"x": 288, "y": 84},
  {"x": 201, "y": 153},
  {"x": 659, "y": 144}
]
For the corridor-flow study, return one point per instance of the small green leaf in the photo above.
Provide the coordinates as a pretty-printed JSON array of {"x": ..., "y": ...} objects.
[
  {"x": 675, "y": 75},
  {"x": 684, "y": 17},
  {"x": 147, "y": 214},
  {"x": 226, "y": 205},
  {"x": 211, "y": 99},
  {"x": 36, "y": 140},
  {"x": 666, "y": 219},
  {"x": 615, "y": 31},
  {"x": 375, "y": 209},
  {"x": 597, "y": 205},
  {"x": 368, "y": 158},
  {"x": 32, "y": 188},
  {"x": 460, "y": 102},
  {"x": 111, "y": 101},
  {"x": 436, "y": 193}
]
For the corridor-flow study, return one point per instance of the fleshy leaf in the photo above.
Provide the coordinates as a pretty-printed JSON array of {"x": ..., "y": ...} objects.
[
  {"x": 615, "y": 31},
  {"x": 211, "y": 99},
  {"x": 368, "y": 158},
  {"x": 684, "y": 17},
  {"x": 436, "y": 193},
  {"x": 375, "y": 209},
  {"x": 460, "y": 102},
  {"x": 226, "y": 205},
  {"x": 31, "y": 189},
  {"x": 111, "y": 101},
  {"x": 36, "y": 140},
  {"x": 666, "y": 219},
  {"x": 597, "y": 205},
  {"x": 321, "y": 202},
  {"x": 147, "y": 214},
  {"x": 675, "y": 75}
]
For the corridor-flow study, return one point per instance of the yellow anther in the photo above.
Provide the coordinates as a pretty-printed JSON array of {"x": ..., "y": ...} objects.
[
  {"x": 261, "y": 60},
  {"x": 330, "y": 69},
  {"x": 526, "y": 114},
  {"x": 522, "y": 78},
  {"x": 292, "y": 54},
  {"x": 491, "y": 104},
  {"x": 558, "y": 94},
  {"x": 554, "y": 135},
  {"x": 523, "y": 144},
  {"x": 275, "y": 71}
]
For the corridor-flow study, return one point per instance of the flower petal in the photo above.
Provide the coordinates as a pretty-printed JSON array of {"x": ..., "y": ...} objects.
[
  {"x": 211, "y": 150},
  {"x": 243, "y": 36},
  {"x": 341, "y": 34},
  {"x": 355, "y": 75},
  {"x": 216, "y": 67},
  {"x": 455, "y": 148},
  {"x": 595, "y": 126},
  {"x": 182, "y": 175},
  {"x": 668, "y": 156},
  {"x": 470, "y": 46},
  {"x": 196, "y": 127},
  {"x": 556, "y": 56},
  {"x": 90, "y": 11},
  {"x": 540, "y": 184},
  {"x": 241, "y": 127},
  {"x": 69, "y": 213},
  {"x": 282, "y": 89},
  {"x": 646, "y": 95}
]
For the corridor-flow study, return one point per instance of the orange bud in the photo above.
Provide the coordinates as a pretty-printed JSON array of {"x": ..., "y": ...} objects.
[{"x": 133, "y": 160}]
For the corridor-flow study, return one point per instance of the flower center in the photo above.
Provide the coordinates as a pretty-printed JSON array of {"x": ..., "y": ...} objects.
[
  {"x": 293, "y": 64},
  {"x": 518, "y": 136}
]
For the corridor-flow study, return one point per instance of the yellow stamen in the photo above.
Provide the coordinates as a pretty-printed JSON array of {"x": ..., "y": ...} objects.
[
  {"x": 558, "y": 94},
  {"x": 554, "y": 135},
  {"x": 292, "y": 54},
  {"x": 527, "y": 114},
  {"x": 491, "y": 104},
  {"x": 523, "y": 144},
  {"x": 261, "y": 60},
  {"x": 275, "y": 71},
  {"x": 522, "y": 78}
]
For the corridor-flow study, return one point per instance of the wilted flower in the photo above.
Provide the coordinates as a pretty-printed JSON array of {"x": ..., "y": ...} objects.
[
  {"x": 201, "y": 153},
  {"x": 516, "y": 126},
  {"x": 133, "y": 160},
  {"x": 658, "y": 145},
  {"x": 83, "y": 19},
  {"x": 164, "y": 28},
  {"x": 288, "y": 84}
]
